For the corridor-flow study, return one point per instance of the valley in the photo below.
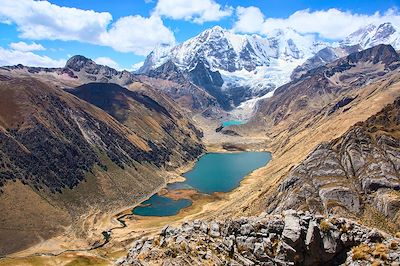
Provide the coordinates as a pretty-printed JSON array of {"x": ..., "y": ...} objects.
[{"x": 202, "y": 157}]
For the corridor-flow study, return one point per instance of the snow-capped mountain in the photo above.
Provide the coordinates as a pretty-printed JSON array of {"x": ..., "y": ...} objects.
[
  {"x": 245, "y": 62},
  {"x": 252, "y": 66},
  {"x": 364, "y": 38},
  {"x": 372, "y": 35}
]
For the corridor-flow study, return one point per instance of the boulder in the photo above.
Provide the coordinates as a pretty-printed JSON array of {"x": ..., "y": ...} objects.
[{"x": 292, "y": 231}]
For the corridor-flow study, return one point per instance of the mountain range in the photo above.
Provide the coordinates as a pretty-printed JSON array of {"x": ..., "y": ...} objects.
[
  {"x": 251, "y": 66},
  {"x": 81, "y": 144}
]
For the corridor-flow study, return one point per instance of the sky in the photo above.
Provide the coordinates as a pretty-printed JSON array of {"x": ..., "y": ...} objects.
[{"x": 120, "y": 33}]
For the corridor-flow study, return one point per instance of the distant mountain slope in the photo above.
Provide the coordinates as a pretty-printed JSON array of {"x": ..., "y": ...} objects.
[
  {"x": 62, "y": 157},
  {"x": 78, "y": 70},
  {"x": 321, "y": 86},
  {"x": 372, "y": 35},
  {"x": 363, "y": 38},
  {"x": 170, "y": 80}
]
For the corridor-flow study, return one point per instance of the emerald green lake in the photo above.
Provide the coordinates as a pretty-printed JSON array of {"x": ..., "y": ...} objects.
[
  {"x": 214, "y": 172},
  {"x": 232, "y": 123}
]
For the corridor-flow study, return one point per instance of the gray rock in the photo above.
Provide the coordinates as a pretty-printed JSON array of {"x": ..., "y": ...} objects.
[
  {"x": 246, "y": 229},
  {"x": 259, "y": 250},
  {"x": 345, "y": 196},
  {"x": 286, "y": 253},
  {"x": 214, "y": 230},
  {"x": 292, "y": 231}
]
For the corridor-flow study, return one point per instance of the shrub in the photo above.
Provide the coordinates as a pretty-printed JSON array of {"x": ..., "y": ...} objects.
[
  {"x": 361, "y": 252},
  {"x": 344, "y": 228},
  {"x": 325, "y": 226},
  {"x": 381, "y": 251},
  {"x": 393, "y": 245}
]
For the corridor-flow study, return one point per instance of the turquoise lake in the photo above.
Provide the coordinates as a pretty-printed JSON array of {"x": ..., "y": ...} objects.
[
  {"x": 232, "y": 123},
  {"x": 214, "y": 172},
  {"x": 161, "y": 206}
]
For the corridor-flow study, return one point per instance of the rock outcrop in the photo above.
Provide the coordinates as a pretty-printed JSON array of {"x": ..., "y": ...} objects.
[
  {"x": 359, "y": 169},
  {"x": 294, "y": 238}
]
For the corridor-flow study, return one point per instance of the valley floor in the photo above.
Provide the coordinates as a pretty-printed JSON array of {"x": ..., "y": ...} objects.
[
  {"x": 247, "y": 199},
  {"x": 67, "y": 248}
]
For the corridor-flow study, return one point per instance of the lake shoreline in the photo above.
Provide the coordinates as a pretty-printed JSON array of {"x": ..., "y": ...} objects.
[{"x": 214, "y": 172}]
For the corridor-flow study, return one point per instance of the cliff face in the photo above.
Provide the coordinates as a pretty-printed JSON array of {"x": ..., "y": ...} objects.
[
  {"x": 63, "y": 157},
  {"x": 351, "y": 174},
  {"x": 294, "y": 238}
]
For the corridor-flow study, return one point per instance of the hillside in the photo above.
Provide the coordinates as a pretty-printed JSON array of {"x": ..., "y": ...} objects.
[
  {"x": 355, "y": 173},
  {"x": 320, "y": 107},
  {"x": 65, "y": 158},
  {"x": 322, "y": 86}
]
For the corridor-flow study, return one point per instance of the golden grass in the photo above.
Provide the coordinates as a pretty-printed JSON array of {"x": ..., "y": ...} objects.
[
  {"x": 361, "y": 252},
  {"x": 325, "y": 226},
  {"x": 381, "y": 251}
]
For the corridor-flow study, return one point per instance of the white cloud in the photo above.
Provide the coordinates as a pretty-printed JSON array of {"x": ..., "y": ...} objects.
[
  {"x": 197, "y": 11},
  {"x": 107, "y": 62},
  {"x": 25, "y": 47},
  {"x": 137, "y": 34},
  {"x": 331, "y": 23},
  {"x": 251, "y": 19},
  {"x": 14, "y": 57},
  {"x": 41, "y": 20}
]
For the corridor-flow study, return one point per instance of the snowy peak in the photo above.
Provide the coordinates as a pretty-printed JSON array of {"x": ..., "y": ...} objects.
[
  {"x": 372, "y": 35},
  {"x": 227, "y": 51}
]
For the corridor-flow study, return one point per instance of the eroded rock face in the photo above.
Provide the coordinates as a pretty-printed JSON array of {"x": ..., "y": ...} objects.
[
  {"x": 359, "y": 168},
  {"x": 294, "y": 238}
]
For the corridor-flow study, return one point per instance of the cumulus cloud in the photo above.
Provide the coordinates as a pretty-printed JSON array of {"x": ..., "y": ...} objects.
[
  {"x": 39, "y": 20},
  {"x": 14, "y": 57},
  {"x": 251, "y": 19},
  {"x": 137, "y": 34},
  {"x": 197, "y": 11},
  {"x": 107, "y": 62},
  {"x": 42, "y": 20},
  {"x": 332, "y": 23},
  {"x": 25, "y": 47}
]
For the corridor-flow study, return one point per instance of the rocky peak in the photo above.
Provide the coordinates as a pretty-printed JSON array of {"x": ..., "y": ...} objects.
[
  {"x": 382, "y": 53},
  {"x": 214, "y": 32},
  {"x": 372, "y": 35},
  {"x": 78, "y": 62},
  {"x": 385, "y": 30}
]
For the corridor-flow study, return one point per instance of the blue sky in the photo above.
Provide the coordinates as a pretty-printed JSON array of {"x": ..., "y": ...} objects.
[{"x": 121, "y": 32}]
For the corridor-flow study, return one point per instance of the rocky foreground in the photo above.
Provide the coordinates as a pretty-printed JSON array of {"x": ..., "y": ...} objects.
[{"x": 294, "y": 238}]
